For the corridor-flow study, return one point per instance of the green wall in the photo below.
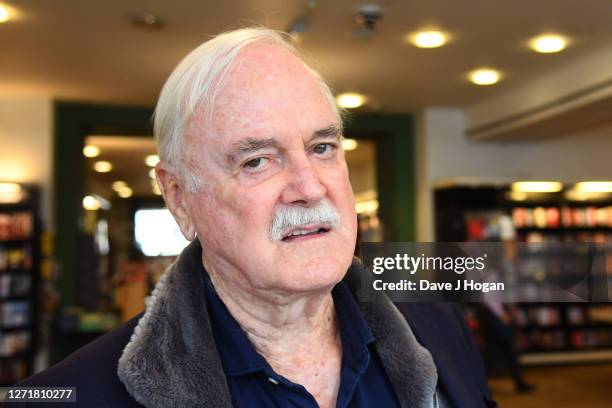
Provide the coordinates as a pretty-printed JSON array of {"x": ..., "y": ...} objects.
[
  {"x": 394, "y": 138},
  {"x": 72, "y": 123}
]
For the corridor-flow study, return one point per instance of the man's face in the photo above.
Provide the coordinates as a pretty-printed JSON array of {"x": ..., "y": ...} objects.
[{"x": 273, "y": 143}]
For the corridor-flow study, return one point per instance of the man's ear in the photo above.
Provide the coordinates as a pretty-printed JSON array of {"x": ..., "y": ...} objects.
[{"x": 174, "y": 196}]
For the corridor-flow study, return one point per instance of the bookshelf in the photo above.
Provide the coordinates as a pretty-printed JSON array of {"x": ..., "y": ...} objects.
[
  {"x": 19, "y": 282},
  {"x": 473, "y": 213}
]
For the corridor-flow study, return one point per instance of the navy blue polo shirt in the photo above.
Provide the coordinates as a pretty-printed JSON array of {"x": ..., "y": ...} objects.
[{"x": 253, "y": 383}]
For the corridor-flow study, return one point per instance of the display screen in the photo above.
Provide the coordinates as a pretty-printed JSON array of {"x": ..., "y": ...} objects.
[{"x": 157, "y": 233}]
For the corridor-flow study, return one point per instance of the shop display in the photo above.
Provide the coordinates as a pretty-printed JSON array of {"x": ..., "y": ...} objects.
[
  {"x": 480, "y": 214},
  {"x": 19, "y": 272}
]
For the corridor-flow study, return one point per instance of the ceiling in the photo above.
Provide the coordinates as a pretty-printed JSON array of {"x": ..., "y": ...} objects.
[
  {"x": 127, "y": 155},
  {"x": 89, "y": 51}
]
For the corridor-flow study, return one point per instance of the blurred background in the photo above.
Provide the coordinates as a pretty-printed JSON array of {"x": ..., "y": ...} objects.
[{"x": 469, "y": 121}]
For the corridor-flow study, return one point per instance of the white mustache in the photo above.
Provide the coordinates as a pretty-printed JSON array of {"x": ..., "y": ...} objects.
[{"x": 288, "y": 217}]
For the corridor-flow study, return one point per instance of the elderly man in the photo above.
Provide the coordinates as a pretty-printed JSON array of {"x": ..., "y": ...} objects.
[{"x": 260, "y": 309}]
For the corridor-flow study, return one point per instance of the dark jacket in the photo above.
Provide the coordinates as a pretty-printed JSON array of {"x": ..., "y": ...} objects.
[{"x": 167, "y": 356}]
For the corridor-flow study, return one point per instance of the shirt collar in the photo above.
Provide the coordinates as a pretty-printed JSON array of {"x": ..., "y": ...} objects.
[
  {"x": 238, "y": 355},
  {"x": 354, "y": 329}
]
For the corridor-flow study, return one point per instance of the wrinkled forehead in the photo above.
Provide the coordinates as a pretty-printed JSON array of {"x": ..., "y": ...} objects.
[{"x": 269, "y": 91}]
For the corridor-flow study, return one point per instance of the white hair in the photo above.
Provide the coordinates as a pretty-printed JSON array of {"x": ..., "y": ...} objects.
[{"x": 195, "y": 83}]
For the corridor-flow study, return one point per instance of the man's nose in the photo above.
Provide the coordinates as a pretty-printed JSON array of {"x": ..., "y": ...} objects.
[{"x": 304, "y": 185}]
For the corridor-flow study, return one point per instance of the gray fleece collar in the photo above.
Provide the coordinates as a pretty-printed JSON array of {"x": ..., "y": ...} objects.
[{"x": 172, "y": 361}]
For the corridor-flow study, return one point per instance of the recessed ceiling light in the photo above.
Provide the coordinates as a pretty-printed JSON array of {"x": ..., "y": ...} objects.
[
  {"x": 5, "y": 13},
  {"x": 125, "y": 192},
  {"x": 118, "y": 185},
  {"x": 349, "y": 144},
  {"x": 537, "y": 186},
  {"x": 10, "y": 193},
  {"x": 350, "y": 100},
  {"x": 91, "y": 151},
  {"x": 594, "y": 186},
  {"x": 428, "y": 39},
  {"x": 152, "y": 160},
  {"x": 103, "y": 166},
  {"x": 548, "y": 43},
  {"x": 9, "y": 188},
  {"x": 91, "y": 203},
  {"x": 484, "y": 76}
]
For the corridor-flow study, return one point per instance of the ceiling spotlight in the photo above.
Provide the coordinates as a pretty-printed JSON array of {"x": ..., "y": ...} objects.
[
  {"x": 10, "y": 193},
  {"x": 428, "y": 39},
  {"x": 152, "y": 160},
  {"x": 594, "y": 186},
  {"x": 91, "y": 151},
  {"x": 91, "y": 203},
  {"x": 6, "y": 13},
  {"x": 125, "y": 192},
  {"x": 484, "y": 76},
  {"x": 537, "y": 186},
  {"x": 349, "y": 144},
  {"x": 350, "y": 100},
  {"x": 103, "y": 166},
  {"x": 548, "y": 43},
  {"x": 118, "y": 185}
]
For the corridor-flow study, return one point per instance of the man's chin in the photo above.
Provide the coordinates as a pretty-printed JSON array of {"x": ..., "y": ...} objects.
[{"x": 316, "y": 274}]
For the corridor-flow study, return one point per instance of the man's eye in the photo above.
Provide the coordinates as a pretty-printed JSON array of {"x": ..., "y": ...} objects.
[
  {"x": 256, "y": 164},
  {"x": 323, "y": 148}
]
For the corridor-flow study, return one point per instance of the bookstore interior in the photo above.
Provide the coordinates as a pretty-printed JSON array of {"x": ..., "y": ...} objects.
[{"x": 85, "y": 235}]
